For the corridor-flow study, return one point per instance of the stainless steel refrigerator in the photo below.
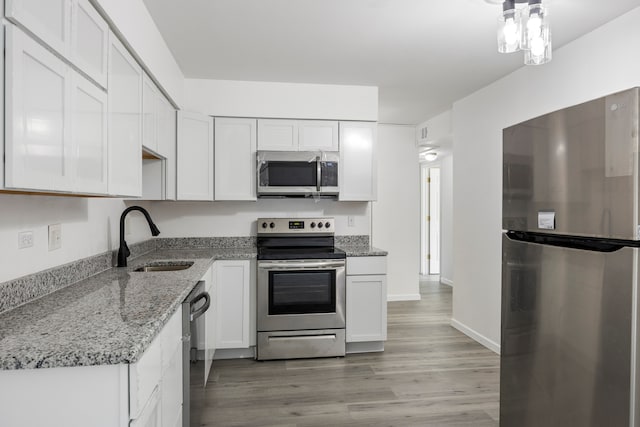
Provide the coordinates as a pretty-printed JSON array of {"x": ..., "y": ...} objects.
[{"x": 571, "y": 203}]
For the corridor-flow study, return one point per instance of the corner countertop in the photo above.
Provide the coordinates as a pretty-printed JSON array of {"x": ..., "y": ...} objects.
[
  {"x": 107, "y": 319},
  {"x": 358, "y": 250}
]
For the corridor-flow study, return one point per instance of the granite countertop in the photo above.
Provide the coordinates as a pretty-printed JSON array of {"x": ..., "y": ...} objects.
[
  {"x": 359, "y": 250},
  {"x": 109, "y": 318}
]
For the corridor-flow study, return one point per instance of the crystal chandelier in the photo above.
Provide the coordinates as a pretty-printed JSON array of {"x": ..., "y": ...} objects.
[{"x": 524, "y": 25}]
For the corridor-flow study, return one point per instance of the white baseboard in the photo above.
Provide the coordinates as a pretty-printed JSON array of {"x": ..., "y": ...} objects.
[
  {"x": 491, "y": 345},
  {"x": 404, "y": 297},
  {"x": 446, "y": 281}
]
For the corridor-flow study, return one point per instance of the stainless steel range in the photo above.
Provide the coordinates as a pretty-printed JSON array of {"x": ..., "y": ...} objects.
[{"x": 301, "y": 289}]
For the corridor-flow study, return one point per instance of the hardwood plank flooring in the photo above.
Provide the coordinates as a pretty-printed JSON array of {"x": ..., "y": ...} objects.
[{"x": 429, "y": 375}]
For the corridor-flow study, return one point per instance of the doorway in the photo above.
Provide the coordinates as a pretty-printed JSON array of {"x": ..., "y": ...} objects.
[{"x": 430, "y": 223}]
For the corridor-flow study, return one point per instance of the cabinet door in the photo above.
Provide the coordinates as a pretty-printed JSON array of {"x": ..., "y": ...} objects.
[
  {"x": 49, "y": 20},
  {"x": 235, "y": 155},
  {"x": 232, "y": 284},
  {"x": 89, "y": 41},
  {"x": 366, "y": 308},
  {"x": 89, "y": 136},
  {"x": 125, "y": 122},
  {"x": 318, "y": 135},
  {"x": 195, "y": 157},
  {"x": 167, "y": 144},
  {"x": 278, "y": 135},
  {"x": 357, "y": 173},
  {"x": 149, "y": 114},
  {"x": 38, "y": 145}
]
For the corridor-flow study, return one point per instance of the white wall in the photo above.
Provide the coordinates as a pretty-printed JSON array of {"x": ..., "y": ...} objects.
[
  {"x": 446, "y": 220},
  {"x": 225, "y": 219},
  {"x": 134, "y": 22},
  {"x": 281, "y": 100},
  {"x": 599, "y": 63},
  {"x": 396, "y": 214},
  {"x": 89, "y": 227}
]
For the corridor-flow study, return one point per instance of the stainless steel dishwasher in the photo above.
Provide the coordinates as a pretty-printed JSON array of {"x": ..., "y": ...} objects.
[{"x": 194, "y": 306}]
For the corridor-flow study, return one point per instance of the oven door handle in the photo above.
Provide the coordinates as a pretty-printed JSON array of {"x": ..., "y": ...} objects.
[{"x": 300, "y": 265}]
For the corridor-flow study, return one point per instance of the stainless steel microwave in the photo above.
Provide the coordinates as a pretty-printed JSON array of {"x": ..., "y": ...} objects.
[{"x": 297, "y": 173}]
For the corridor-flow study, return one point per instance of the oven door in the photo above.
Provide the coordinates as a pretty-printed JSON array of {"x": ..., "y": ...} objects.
[{"x": 301, "y": 294}]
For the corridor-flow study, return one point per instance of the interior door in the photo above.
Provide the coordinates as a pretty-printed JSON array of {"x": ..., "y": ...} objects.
[{"x": 566, "y": 335}]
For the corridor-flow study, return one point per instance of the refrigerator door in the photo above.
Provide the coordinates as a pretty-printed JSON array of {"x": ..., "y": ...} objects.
[
  {"x": 566, "y": 336},
  {"x": 575, "y": 171}
]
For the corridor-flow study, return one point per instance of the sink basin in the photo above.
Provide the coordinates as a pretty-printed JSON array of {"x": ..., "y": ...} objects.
[{"x": 164, "y": 266}]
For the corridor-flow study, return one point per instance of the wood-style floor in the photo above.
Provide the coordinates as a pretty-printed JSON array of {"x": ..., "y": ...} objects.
[{"x": 429, "y": 375}]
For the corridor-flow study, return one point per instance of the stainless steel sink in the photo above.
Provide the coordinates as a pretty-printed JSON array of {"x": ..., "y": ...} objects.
[{"x": 164, "y": 266}]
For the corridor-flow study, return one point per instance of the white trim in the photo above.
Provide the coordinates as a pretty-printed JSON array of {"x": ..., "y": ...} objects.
[
  {"x": 235, "y": 353},
  {"x": 491, "y": 345},
  {"x": 404, "y": 297},
  {"x": 446, "y": 281},
  {"x": 364, "y": 347}
]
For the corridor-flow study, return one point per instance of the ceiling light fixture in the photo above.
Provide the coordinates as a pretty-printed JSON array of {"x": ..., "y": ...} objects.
[
  {"x": 524, "y": 25},
  {"x": 431, "y": 156}
]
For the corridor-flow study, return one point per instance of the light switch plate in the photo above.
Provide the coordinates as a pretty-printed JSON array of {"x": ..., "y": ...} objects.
[{"x": 55, "y": 237}]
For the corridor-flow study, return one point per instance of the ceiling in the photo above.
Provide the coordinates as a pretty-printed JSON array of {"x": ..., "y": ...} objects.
[{"x": 422, "y": 54}]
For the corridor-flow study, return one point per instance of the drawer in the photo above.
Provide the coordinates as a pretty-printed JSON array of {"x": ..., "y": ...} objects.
[{"x": 366, "y": 265}]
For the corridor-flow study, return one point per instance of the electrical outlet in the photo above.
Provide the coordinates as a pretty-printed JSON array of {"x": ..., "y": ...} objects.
[
  {"x": 55, "y": 236},
  {"x": 25, "y": 239},
  {"x": 351, "y": 221}
]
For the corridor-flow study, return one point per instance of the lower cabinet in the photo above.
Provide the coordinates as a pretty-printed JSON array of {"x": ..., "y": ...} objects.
[
  {"x": 233, "y": 278},
  {"x": 366, "y": 311},
  {"x": 144, "y": 394}
]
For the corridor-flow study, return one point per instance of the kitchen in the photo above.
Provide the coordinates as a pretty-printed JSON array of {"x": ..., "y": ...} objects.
[{"x": 477, "y": 152}]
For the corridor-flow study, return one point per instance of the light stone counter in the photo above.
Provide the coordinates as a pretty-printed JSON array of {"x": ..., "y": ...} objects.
[{"x": 109, "y": 318}]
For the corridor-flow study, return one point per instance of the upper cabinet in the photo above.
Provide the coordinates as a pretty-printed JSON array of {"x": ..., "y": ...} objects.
[
  {"x": 318, "y": 135},
  {"x": 166, "y": 129},
  {"x": 72, "y": 28},
  {"x": 195, "y": 157},
  {"x": 49, "y": 20},
  {"x": 235, "y": 159},
  {"x": 56, "y": 122},
  {"x": 278, "y": 135},
  {"x": 150, "y": 109},
  {"x": 297, "y": 135},
  {"x": 125, "y": 122},
  {"x": 89, "y": 41},
  {"x": 357, "y": 173}
]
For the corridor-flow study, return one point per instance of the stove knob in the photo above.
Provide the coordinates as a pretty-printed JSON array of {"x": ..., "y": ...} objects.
[
  {"x": 272, "y": 225},
  {"x": 320, "y": 225},
  {"x": 264, "y": 225},
  {"x": 327, "y": 224},
  {"x": 313, "y": 225}
]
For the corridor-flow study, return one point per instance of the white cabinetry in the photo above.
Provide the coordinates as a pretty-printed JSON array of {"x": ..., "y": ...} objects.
[
  {"x": 366, "y": 311},
  {"x": 358, "y": 172},
  {"x": 195, "y": 157},
  {"x": 89, "y": 41},
  {"x": 72, "y": 28},
  {"x": 318, "y": 135},
  {"x": 278, "y": 135},
  {"x": 235, "y": 159},
  {"x": 150, "y": 109},
  {"x": 233, "y": 305},
  {"x": 167, "y": 144},
  {"x": 55, "y": 122},
  {"x": 206, "y": 325},
  {"x": 297, "y": 135},
  {"x": 125, "y": 122}
]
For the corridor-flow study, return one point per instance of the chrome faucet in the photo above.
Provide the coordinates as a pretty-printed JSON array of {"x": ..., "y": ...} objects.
[{"x": 124, "y": 252}]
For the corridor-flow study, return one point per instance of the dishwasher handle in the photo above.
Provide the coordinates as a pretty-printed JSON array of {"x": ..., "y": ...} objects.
[{"x": 195, "y": 313}]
